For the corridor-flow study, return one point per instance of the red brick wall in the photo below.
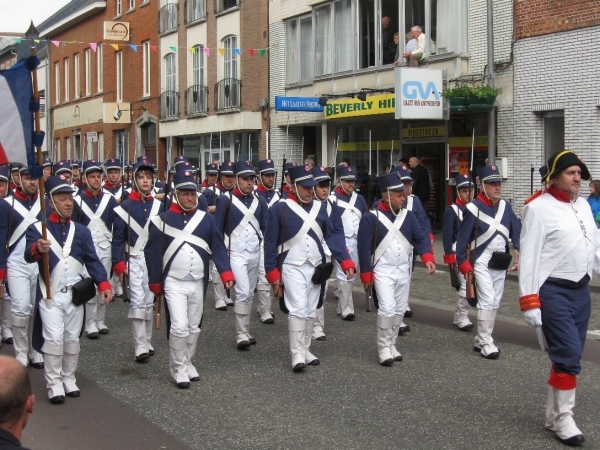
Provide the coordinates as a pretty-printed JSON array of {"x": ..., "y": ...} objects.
[{"x": 538, "y": 17}]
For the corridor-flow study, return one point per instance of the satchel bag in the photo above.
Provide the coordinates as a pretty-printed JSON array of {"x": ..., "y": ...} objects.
[
  {"x": 83, "y": 291},
  {"x": 322, "y": 273},
  {"x": 500, "y": 261}
]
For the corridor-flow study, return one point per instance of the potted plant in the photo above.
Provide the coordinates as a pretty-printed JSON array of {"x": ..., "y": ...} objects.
[
  {"x": 458, "y": 97},
  {"x": 483, "y": 98}
]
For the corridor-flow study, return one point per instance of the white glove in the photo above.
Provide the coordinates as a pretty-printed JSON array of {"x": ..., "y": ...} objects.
[{"x": 533, "y": 317}]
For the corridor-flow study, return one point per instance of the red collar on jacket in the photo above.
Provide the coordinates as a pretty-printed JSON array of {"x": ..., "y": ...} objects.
[
  {"x": 55, "y": 218},
  {"x": 261, "y": 188},
  {"x": 177, "y": 209},
  {"x": 112, "y": 186},
  {"x": 483, "y": 198},
  {"x": 559, "y": 195},
  {"x": 383, "y": 206},
  {"x": 90, "y": 194},
  {"x": 294, "y": 198},
  {"x": 459, "y": 202},
  {"x": 286, "y": 188},
  {"x": 19, "y": 194},
  {"x": 340, "y": 191},
  {"x": 204, "y": 183},
  {"x": 138, "y": 197}
]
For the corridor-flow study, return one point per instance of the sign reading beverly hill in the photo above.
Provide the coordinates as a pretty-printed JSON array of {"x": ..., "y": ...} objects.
[
  {"x": 352, "y": 107},
  {"x": 418, "y": 93},
  {"x": 306, "y": 104}
]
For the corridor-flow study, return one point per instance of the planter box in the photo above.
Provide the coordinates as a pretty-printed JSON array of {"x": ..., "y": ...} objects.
[
  {"x": 477, "y": 104},
  {"x": 458, "y": 104}
]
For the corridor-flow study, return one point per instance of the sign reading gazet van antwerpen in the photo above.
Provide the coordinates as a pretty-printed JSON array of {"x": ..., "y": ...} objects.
[
  {"x": 351, "y": 107},
  {"x": 418, "y": 93}
]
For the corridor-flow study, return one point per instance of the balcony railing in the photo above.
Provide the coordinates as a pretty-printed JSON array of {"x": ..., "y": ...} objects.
[
  {"x": 228, "y": 94},
  {"x": 196, "y": 100},
  {"x": 196, "y": 10},
  {"x": 167, "y": 17},
  {"x": 169, "y": 105},
  {"x": 222, "y": 5}
]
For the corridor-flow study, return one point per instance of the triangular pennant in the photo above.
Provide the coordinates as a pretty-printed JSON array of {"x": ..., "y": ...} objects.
[
  {"x": 237, "y": 50},
  {"x": 154, "y": 48},
  {"x": 222, "y": 51},
  {"x": 18, "y": 40},
  {"x": 251, "y": 51},
  {"x": 207, "y": 51},
  {"x": 115, "y": 46},
  {"x": 57, "y": 43},
  {"x": 193, "y": 50},
  {"x": 37, "y": 41},
  {"x": 263, "y": 52},
  {"x": 318, "y": 55},
  {"x": 133, "y": 47},
  {"x": 93, "y": 46},
  {"x": 174, "y": 49}
]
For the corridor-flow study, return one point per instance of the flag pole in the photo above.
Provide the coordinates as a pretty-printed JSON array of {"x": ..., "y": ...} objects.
[{"x": 34, "y": 34}]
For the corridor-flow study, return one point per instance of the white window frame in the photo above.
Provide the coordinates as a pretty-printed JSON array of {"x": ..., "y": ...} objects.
[
  {"x": 131, "y": 4},
  {"x": 77, "y": 76},
  {"x": 146, "y": 69},
  {"x": 99, "y": 69},
  {"x": 88, "y": 71},
  {"x": 57, "y": 82},
  {"x": 66, "y": 77},
  {"x": 171, "y": 72},
  {"x": 230, "y": 59},
  {"x": 119, "y": 7},
  {"x": 119, "y": 75},
  {"x": 198, "y": 65}
]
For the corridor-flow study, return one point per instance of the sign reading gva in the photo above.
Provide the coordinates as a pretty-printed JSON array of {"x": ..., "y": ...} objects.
[
  {"x": 116, "y": 31},
  {"x": 307, "y": 104},
  {"x": 418, "y": 93}
]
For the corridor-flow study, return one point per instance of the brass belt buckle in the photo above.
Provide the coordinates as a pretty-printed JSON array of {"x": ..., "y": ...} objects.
[{"x": 64, "y": 289}]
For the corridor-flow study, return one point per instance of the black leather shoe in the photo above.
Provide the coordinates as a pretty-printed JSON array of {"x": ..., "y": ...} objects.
[
  {"x": 492, "y": 355},
  {"x": 408, "y": 313},
  {"x": 183, "y": 385},
  {"x": 298, "y": 367},
  {"x": 221, "y": 308},
  {"x": 387, "y": 362},
  {"x": 269, "y": 321},
  {"x": 229, "y": 303},
  {"x": 194, "y": 379},
  {"x": 468, "y": 327},
  {"x": 73, "y": 394},
  {"x": 243, "y": 345},
  {"x": 404, "y": 329},
  {"x": 104, "y": 331},
  {"x": 321, "y": 338},
  {"x": 38, "y": 365},
  {"x": 314, "y": 362},
  {"x": 142, "y": 358},
  {"x": 151, "y": 352},
  {"x": 8, "y": 341},
  {"x": 252, "y": 341},
  {"x": 57, "y": 400},
  {"x": 93, "y": 335},
  {"x": 477, "y": 349},
  {"x": 574, "y": 441},
  {"x": 349, "y": 317},
  {"x": 398, "y": 358}
]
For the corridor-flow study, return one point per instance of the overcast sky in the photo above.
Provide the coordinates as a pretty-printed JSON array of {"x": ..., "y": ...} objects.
[{"x": 16, "y": 15}]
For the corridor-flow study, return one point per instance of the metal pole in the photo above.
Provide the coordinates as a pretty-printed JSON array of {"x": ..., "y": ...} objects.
[
  {"x": 377, "y": 158},
  {"x": 267, "y": 144},
  {"x": 391, "y": 154},
  {"x": 220, "y": 147},
  {"x": 491, "y": 69}
]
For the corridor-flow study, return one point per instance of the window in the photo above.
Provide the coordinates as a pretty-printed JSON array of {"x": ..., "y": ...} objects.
[
  {"x": 196, "y": 95},
  {"x": 131, "y": 4},
  {"x": 121, "y": 145},
  {"x": 246, "y": 146},
  {"x": 88, "y": 71},
  {"x": 554, "y": 132},
  {"x": 323, "y": 53},
  {"x": 146, "y": 68},
  {"x": 77, "y": 75},
  {"x": 168, "y": 17},
  {"x": 66, "y": 64},
  {"x": 171, "y": 72},
  {"x": 119, "y": 10},
  {"x": 230, "y": 58},
  {"x": 299, "y": 44},
  {"x": 169, "y": 100},
  {"x": 198, "y": 65},
  {"x": 42, "y": 98},
  {"x": 100, "y": 148},
  {"x": 119, "y": 76},
  {"x": 228, "y": 90},
  {"x": 222, "y": 5},
  {"x": 196, "y": 10},
  {"x": 56, "y": 151},
  {"x": 56, "y": 83},
  {"x": 99, "y": 77}
]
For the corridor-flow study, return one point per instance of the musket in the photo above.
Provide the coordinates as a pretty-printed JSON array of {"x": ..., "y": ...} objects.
[
  {"x": 125, "y": 283},
  {"x": 337, "y": 143}
]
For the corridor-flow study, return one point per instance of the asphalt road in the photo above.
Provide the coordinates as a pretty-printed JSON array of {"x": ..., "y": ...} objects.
[{"x": 442, "y": 396}]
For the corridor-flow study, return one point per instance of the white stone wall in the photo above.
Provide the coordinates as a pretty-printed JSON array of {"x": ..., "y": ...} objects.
[{"x": 547, "y": 73}]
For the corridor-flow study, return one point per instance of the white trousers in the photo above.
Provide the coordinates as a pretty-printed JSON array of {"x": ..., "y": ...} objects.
[
  {"x": 22, "y": 283},
  {"x": 186, "y": 305},
  {"x": 245, "y": 269},
  {"x": 300, "y": 293},
  {"x": 263, "y": 283},
  {"x": 352, "y": 246},
  {"x": 489, "y": 283},
  {"x": 62, "y": 322},
  {"x": 141, "y": 296},
  {"x": 392, "y": 291},
  {"x": 104, "y": 255}
]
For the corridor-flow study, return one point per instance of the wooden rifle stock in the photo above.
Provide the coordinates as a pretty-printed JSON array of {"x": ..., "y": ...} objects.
[
  {"x": 157, "y": 312},
  {"x": 470, "y": 277}
]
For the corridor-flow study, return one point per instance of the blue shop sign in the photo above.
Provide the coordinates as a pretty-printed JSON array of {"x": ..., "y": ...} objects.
[{"x": 307, "y": 104}]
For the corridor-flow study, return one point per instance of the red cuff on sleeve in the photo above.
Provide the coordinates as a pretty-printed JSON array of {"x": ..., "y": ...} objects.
[
  {"x": 104, "y": 286},
  {"x": 450, "y": 259},
  {"x": 2, "y": 274},
  {"x": 34, "y": 252},
  {"x": 427, "y": 257},
  {"x": 465, "y": 267},
  {"x": 530, "y": 302},
  {"x": 431, "y": 238},
  {"x": 155, "y": 288},
  {"x": 120, "y": 267},
  {"x": 367, "y": 277},
  {"x": 273, "y": 276},
  {"x": 227, "y": 276},
  {"x": 347, "y": 264},
  {"x": 562, "y": 381}
]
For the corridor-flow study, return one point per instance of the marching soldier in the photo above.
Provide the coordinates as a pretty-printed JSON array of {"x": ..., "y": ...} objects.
[
  {"x": 5, "y": 303},
  {"x": 72, "y": 256},
  {"x": 453, "y": 217},
  {"x": 130, "y": 236},
  {"x": 241, "y": 218},
  {"x": 177, "y": 254},
  {"x": 15, "y": 176},
  {"x": 294, "y": 259},
  {"x": 265, "y": 190},
  {"x": 488, "y": 224},
  {"x": 47, "y": 165},
  {"x": 386, "y": 238},
  {"x": 352, "y": 207},
  {"x": 64, "y": 167},
  {"x": 212, "y": 190},
  {"x": 113, "y": 185},
  {"x": 20, "y": 210},
  {"x": 95, "y": 210},
  {"x": 76, "y": 175},
  {"x": 285, "y": 189},
  {"x": 559, "y": 252}
]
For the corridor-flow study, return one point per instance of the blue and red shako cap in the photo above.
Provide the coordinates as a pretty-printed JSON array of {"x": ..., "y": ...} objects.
[
  {"x": 302, "y": 175},
  {"x": 57, "y": 184},
  {"x": 266, "y": 166}
]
